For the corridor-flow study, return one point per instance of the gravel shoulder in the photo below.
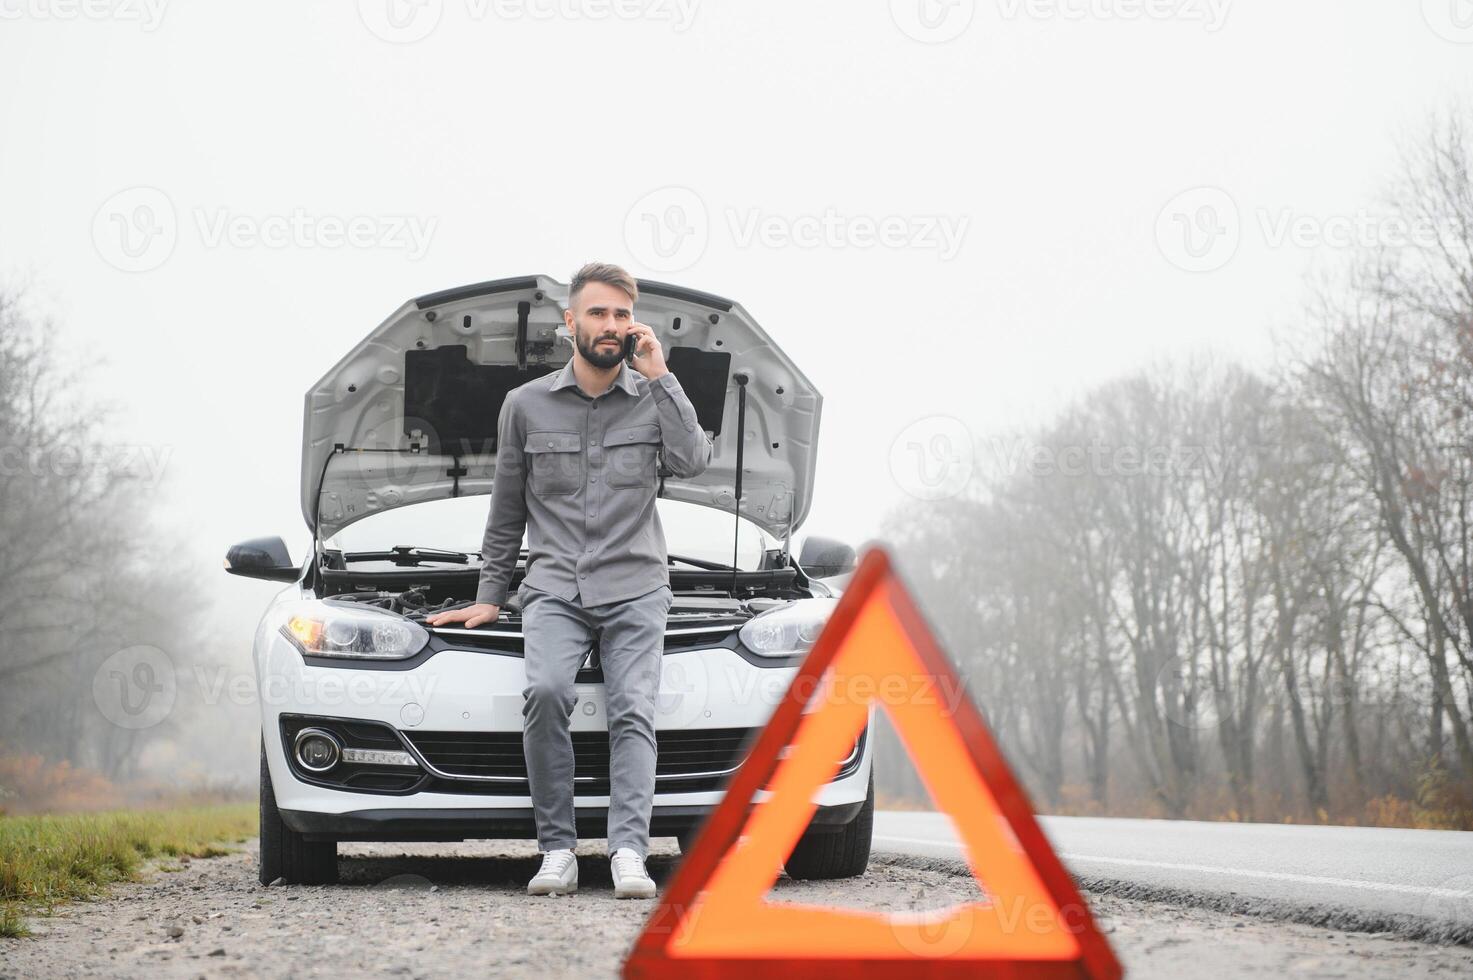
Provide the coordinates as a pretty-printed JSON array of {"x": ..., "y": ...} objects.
[{"x": 458, "y": 910}]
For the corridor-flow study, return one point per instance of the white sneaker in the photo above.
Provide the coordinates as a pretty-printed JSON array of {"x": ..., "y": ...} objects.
[
  {"x": 630, "y": 878},
  {"x": 557, "y": 876}
]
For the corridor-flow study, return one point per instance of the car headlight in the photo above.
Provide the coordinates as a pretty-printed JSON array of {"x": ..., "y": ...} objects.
[
  {"x": 322, "y": 630},
  {"x": 787, "y": 630}
]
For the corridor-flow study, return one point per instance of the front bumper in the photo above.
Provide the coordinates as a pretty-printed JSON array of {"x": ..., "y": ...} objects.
[
  {"x": 501, "y": 823},
  {"x": 480, "y": 691}
]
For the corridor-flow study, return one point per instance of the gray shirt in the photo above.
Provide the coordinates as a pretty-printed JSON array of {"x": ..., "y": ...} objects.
[{"x": 579, "y": 474}]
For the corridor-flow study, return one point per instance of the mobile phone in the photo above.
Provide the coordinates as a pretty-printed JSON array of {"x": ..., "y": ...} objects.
[{"x": 630, "y": 340}]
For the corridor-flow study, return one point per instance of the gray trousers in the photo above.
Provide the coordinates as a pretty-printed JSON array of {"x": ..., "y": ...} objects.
[{"x": 558, "y": 635}]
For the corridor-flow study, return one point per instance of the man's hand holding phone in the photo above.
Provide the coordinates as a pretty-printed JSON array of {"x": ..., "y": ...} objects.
[
  {"x": 648, "y": 357},
  {"x": 471, "y": 616}
]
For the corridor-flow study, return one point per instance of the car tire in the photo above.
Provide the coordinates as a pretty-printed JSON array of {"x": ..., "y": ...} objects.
[
  {"x": 836, "y": 854},
  {"x": 285, "y": 853}
]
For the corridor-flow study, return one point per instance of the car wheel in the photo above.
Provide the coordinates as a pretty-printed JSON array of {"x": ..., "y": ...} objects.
[
  {"x": 286, "y": 853},
  {"x": 836, "y": 854}
]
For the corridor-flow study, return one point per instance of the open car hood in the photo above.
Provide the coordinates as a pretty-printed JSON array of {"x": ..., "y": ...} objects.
[{"x": 410, "y": 413}]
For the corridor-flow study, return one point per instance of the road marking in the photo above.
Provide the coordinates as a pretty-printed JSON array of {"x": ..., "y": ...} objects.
[{"x": 1212, "y": 870}]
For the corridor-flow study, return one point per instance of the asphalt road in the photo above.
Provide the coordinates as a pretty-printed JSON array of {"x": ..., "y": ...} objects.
[
  {"x": 1357, "y": 877},
  {"x": 437, "y": 911}
]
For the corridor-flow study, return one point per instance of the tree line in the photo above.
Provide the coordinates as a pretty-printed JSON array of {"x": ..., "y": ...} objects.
[{"x": 1204, "y": 590}]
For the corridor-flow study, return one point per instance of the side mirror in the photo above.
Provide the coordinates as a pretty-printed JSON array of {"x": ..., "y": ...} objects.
[
  {"x": 823, "y": 557},
  {"x": 265, "y": 558}
]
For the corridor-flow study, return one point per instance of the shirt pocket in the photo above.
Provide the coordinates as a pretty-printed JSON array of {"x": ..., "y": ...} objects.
[
  {"x": 631, "y": 455},
  {"x": 557, "y": 461}
]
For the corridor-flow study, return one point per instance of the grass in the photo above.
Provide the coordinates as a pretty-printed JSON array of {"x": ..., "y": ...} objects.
[{"x": 53, "y": 858}]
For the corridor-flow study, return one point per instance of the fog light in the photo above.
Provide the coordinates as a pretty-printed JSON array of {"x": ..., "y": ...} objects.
[{"x": 317, "y": 750}]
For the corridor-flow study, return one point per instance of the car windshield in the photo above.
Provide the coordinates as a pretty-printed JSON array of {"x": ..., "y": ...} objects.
[{"x": 456, "y": 525}]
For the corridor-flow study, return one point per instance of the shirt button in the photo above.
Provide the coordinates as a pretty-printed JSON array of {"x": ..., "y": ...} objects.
[{"x": 593, "y": 479}]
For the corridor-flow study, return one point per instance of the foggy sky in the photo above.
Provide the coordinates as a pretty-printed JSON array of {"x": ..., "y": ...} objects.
[{"x": 974, "y": 228}]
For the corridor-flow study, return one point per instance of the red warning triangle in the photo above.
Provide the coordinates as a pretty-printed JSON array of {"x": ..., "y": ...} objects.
[{"x": 714, "y": 920}]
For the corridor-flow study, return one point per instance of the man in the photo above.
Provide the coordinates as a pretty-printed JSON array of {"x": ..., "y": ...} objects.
[{"x": 576, "y": 467}]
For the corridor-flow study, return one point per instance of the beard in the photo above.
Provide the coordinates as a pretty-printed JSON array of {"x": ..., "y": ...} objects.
[{"x": 599, "y": 357}]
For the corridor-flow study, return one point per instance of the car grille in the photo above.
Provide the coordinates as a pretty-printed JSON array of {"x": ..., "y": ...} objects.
[
  {"x": 687, "y": 760},
  {"x": 702, "y": 755}
]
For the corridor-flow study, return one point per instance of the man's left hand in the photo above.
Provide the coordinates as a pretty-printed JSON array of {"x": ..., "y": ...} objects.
[{"x": 649, "y": 356}]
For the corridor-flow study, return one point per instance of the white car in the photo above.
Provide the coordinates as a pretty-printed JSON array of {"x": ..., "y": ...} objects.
[{"x": 375, "y": 727}]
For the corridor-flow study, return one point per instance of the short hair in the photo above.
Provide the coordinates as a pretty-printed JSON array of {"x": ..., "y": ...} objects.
[{"x": 604, "y": 272}]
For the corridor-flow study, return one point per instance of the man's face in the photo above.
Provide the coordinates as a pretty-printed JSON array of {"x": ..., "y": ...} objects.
[{"x": 599, "y": 320}]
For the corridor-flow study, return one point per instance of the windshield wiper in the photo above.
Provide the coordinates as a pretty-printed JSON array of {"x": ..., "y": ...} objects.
[{"x": 405, "y": 555}]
